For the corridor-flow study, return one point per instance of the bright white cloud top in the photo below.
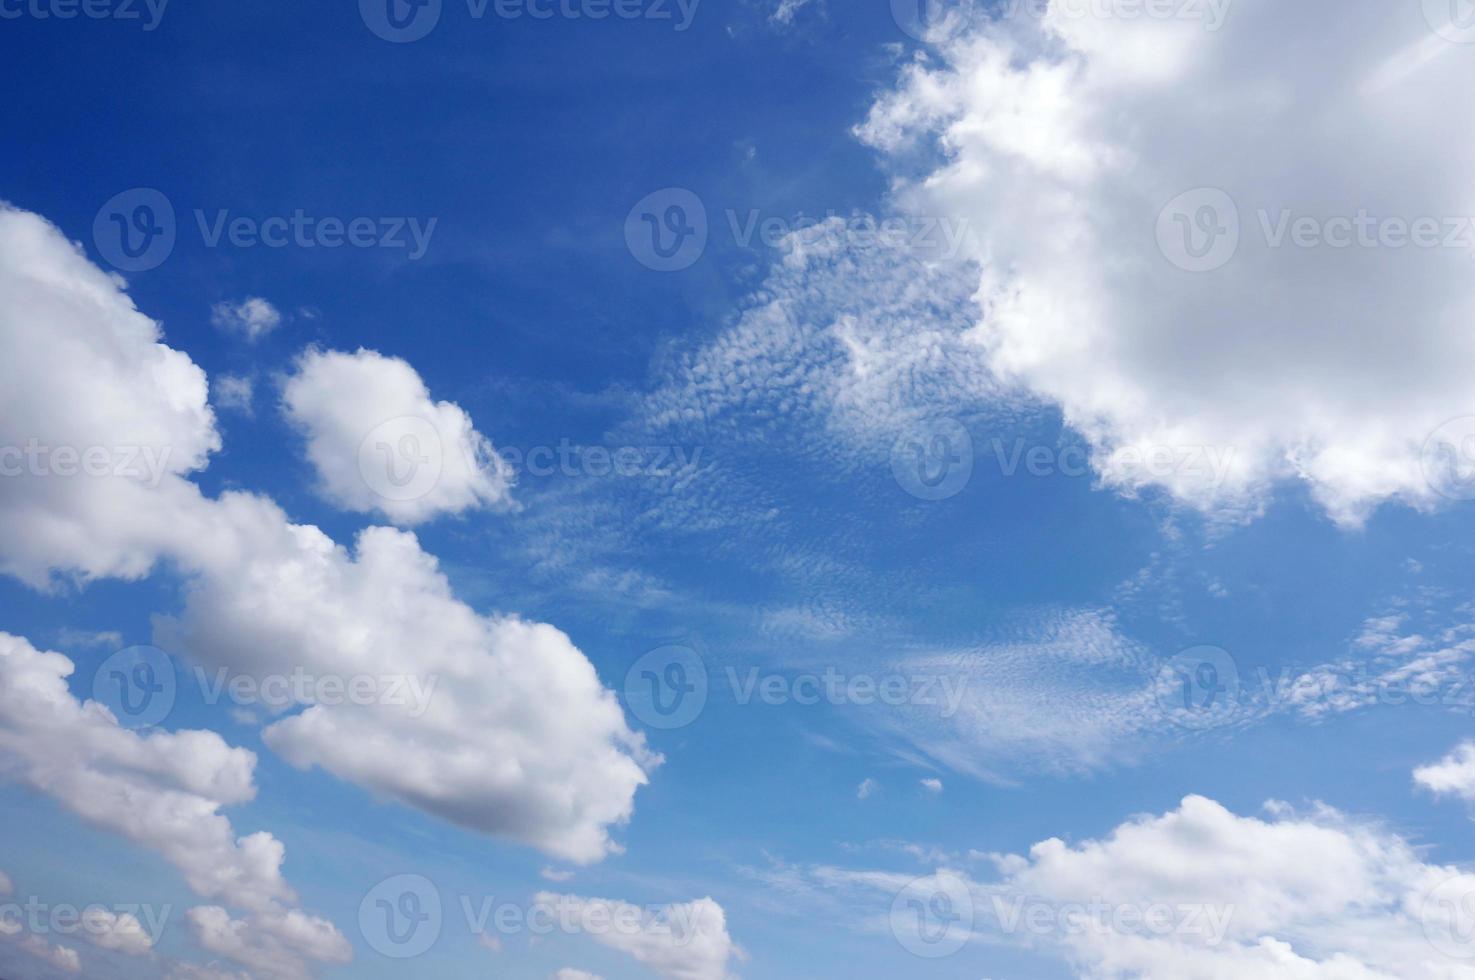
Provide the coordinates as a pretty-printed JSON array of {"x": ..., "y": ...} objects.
[
  {"x": 1254, "y": 238},
  {"x": 380, "y": 444}
]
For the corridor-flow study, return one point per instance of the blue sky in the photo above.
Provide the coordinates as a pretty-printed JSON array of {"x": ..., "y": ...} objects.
[{"x": 918, "y": 534}]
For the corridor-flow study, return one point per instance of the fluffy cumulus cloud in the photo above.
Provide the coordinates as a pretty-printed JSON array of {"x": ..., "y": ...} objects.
[
  {"x": 1198, "y": 893},
  {"x": 569, "y": 973},
  {"x": 510, "y": 731},
  {"x": 685, "y": 941},
  {"x": 98, "y": 418},
  {"x": 379, "y": 442},
  {"x": 1137, "y": 185},
  {"x": 163, "y": 791}
]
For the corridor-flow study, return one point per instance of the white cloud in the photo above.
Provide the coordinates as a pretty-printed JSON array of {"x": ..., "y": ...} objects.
[
  {"x": 119, "y": 932},
  {"x": 233, "y": 391},
  {"x": 161, "y": 790},
  {"x": 569, "y": 973},
  {"x": 273, "y": 942},
  {"x": 868, "y": 788},
  {"x": 1201, "y": 893},
  {"x": 251, "y": 318},
  {"x": 933, "y": 786},
  {"x": 83, "y": 369},
  {"x": 689, "y": 941},
  {"x": 68, "y": 637},
  {"x": 379, "y": 443},
  {"x": 783, "y": 14},
  {"x": 519, "y": 737},
  {"x": 1454, "y": 775},
  {"x": 1062, "y": 138}
]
